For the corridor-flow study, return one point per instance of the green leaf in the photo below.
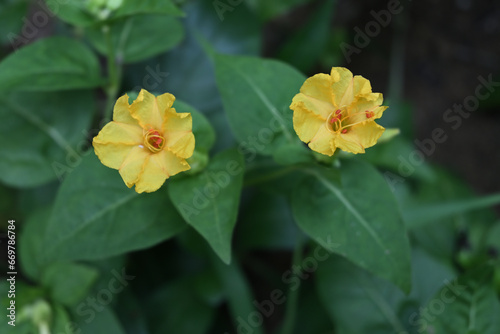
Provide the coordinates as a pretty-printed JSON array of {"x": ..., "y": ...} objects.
[
  {"x": 348, "y": 291},
  {"x": 68, "y": 283},
  {"x": 209, "y": 201},
  {"x": 132, "y": 7},
  {"x": 84, "y": 13},
  {"x": 424, "y": 214},
  {"x": 178, "y": 306},
  {"x": 360, "y": 216},
  {"x": 202, "y": 129},
  {"x": 96, "y": 216},
  {"x": 238, "y": 294},
  {"x": 31, "y": 245},
  {"x": 291, "y": 154},
  {"x": 88, "y": 321},
  {"x": 42, "y": 135},
  {"x": 468, "y": 305},
  {"x": 128, "y": 37},
  {"x": 53, "y": 63},
  {"x": 314, "y": 34},
  {"x": 256, "y": 94}
]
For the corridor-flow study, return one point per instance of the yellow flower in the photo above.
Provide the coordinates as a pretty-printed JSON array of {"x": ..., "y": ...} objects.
[
  {"x": 147, "y": 141},
  {"x": 337, "y": 111}
]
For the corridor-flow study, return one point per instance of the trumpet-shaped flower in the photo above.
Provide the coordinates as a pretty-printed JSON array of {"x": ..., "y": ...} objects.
[
  {"x": 147, "y": 141},
  {"x": 337, "y": 110}
]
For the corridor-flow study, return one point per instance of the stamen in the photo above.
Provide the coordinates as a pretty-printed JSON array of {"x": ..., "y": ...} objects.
[
  {"x": 154, "y": 140},
  {"x": 369, "y": 114},
  {"x": 344, "y": 131}
]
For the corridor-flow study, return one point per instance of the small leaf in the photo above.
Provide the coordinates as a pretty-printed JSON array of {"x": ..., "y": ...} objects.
[
  {"x": 82, "y": 14},
  {"x": 467, "y": 305},
  {"x": 128, "y": 36},
  {"x": 96, "y": 216},
  {"x": 53, "y": 63},
  {"x": 256, "y": 94},
  {"x": 360, "y": 216},
  {"x": 209, "y": 201},
  {"x": 68, "y": 283}
]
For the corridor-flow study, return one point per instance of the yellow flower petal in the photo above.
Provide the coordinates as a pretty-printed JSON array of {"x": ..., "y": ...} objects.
[
  {"x": 121, "y": 111},
  {"x": 363, "y": 104},
  {"x": 148, "y": 111},
  {"x": 132, "y": 166},
  {"x": 157, "y": 168},
  {"x": 179, "y": 134},
  {"x": 114, "y": 142},
  {"x": 305, "y": 122},
  {"x": 323, "y": 141},
  {"x": 359, "y": 137},
  {"x": 342, "y": 87}
]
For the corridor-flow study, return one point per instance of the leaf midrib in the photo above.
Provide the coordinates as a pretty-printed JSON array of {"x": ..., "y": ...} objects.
[
  {"x": 265, "y": 101},
  {"x": 91, "y": 219}
]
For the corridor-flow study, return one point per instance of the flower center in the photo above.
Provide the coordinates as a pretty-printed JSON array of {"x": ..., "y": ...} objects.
[
  {"x": 340, "y": 121},
  {"x": 154, "y": 140},
  {"x": 334, "y": 121}
]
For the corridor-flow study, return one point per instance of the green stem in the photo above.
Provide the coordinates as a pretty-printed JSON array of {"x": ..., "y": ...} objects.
[
  {"x": 293, "y": 294},
  {"x": 114, "y": 74}
]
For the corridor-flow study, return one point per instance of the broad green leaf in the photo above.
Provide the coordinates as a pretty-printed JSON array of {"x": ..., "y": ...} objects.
[
  {"x": 96, "y": 216},
  {"x": 348, "y": 291},
  {"x": 42, "y": 135},
  {"x": 306, "y": 45},
  {"x": 178, "y": 308},
  {"x": 256, "y": 94},
  {"x": 75, "y": 12},
  {"x": 87, "y": 13},
  {"x": 468, "y": 305},
  {"x": 91, "y": 320},
  {"x": 202, "y": 129},
  {"x": 31, "y": 244},
  {"x": 68, "y": 283},
  {"x": 128, "y": 35},
  {"x": 424, "y": 214},
  {"x": 291, "y": 154},
  {"x": 50, "y": 64},
  {"x": 209, "y": 201},
  {"x": 238, "y": 294},
  {"x": 360, "y": 216}
]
